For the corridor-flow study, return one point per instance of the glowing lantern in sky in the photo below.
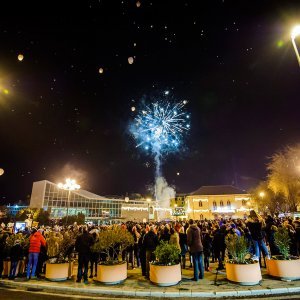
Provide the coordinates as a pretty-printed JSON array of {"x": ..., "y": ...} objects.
[
  {"x": 132, "y": 108},
  {"x": 101, "y": 70},
  {"x": 20, "y": 57},
  {"x": 1, "y": 172},
  {"x": 130, "y": 60},
  {"x": 138, "y": 4}
]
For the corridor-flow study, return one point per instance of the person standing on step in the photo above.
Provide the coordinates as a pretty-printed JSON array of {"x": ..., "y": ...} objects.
[
  {"x": 196, "y": 248},
  {"x": 36, "y": 240},
  {"x": 83, "y": 247}
]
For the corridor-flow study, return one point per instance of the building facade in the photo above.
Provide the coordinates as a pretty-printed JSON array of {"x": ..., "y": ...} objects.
[
  {"x": 59, "y": 202},
  {"x": 222, "y": 201}
]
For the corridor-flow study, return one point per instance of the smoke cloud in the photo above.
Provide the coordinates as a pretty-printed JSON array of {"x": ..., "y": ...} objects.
[{"x": 163, "y": 192}]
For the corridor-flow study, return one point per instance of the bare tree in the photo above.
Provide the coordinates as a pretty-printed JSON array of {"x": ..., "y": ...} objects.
[
  {"x": 267, "y": 201},
  {"x": 284, "y": 175}
]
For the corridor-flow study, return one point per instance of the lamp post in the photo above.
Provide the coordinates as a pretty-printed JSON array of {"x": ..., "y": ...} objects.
[
  {"x": 294, "y": 34},
  {"x": 148, "y": 202},
  {"x": 70, "y": 185}
]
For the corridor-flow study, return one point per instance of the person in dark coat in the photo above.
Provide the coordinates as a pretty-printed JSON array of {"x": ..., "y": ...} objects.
[
  {"x": 183, "y": 246},
  {"x": 196, "y": 248},
  {"x": 142, "y": 251},
  {"x": 270, "y": 230},
  {"x": 82, "y": 246},
  {"x": 219, "y": 245},
  {"x": 255, "y": 224},
  {"x": 150, "y": 243},
  {"x": 207, "y": 246},
  {"x": 3, "y": 237},
  {"x": 165, "y": 235},
  {"x": 94, "y": 256},
  {"x": 16, "y": 254}
]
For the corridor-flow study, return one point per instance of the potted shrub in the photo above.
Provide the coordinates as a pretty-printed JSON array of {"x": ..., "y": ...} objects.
[
  {"x": 166, "y": 269},
  {"x": 284, "y": 266},
  {"x": 59, "y": 248},
  {"x": 112, "y": 242},
  {"x": 240, "y": 268}
]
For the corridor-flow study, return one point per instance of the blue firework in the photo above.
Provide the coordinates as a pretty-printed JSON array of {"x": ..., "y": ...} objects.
[{"x": 160, "y": 126}]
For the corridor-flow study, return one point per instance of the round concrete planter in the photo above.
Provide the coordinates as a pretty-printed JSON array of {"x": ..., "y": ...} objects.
[
  {"x": 165, "y": 275},
  {"x": 57, "y": 272},
  {"x": 243, "y": 274},
  {"x": 112, "y": 274},
  {"x": 284, "y": 269}
]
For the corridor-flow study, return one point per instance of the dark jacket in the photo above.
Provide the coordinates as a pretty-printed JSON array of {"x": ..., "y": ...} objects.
[
  {"x": 83, "y": 244},
  {"x": 16, "y": 252},
  {"x": 255, "y": 228},
  {"x": 194, "y": 239},
  {"x": 183, "y": 241},
  {"x": 150, "y": 241},
  {"x": 207, "y": 243},
  {"x": 3, "y": 237},
  {"x": 219, "y": 239}
]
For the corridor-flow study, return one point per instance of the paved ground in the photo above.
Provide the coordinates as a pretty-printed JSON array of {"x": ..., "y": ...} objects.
[{"x": 212, "y": 286}]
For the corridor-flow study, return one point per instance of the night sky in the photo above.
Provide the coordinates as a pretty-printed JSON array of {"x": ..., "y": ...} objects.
[{"x": 232, "y": 61}]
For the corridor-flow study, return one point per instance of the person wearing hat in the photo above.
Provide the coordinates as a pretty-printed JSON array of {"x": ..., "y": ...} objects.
[
  {"x": 36, "y": 240},
  {"x": 16, "y": 254}
]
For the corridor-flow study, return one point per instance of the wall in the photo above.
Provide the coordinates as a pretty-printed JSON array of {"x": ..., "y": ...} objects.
[{"x": 37, "y": 195}]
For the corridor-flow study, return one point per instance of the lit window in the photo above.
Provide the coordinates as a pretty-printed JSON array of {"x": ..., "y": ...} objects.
[{"x": 214, "y": 205}]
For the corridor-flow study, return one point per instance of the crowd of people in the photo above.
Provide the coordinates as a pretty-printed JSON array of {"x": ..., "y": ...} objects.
[{"x": 200, "y": 243}]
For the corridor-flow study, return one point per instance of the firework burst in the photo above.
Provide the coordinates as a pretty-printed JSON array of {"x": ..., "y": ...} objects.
[{"x": 160, "y": 126}]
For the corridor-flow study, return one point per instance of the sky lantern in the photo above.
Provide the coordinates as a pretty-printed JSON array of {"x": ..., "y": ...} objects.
[
  {"x": 132, "y": 108},
  {"x": 20, "y": 57},
  {"x": 138, "y": 4},
  {"x": 101, "y": 70},
  {"x": 130, "y": 60},
  {"x": 1, "y": 171}
]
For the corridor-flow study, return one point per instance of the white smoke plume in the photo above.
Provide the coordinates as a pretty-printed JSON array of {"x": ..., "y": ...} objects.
[{"x": 163, "y": 192}]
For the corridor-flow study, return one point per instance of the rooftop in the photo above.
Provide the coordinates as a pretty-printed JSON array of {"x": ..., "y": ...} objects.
[{"x": 218, "y": 190}]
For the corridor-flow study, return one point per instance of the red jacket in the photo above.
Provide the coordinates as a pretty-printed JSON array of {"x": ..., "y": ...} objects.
[{"x": 35, "y": 242}]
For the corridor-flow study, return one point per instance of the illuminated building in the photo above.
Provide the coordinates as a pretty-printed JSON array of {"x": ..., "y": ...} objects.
[
  {"x": 50, "y": 197},
  {"x": 218, "y": 201}
]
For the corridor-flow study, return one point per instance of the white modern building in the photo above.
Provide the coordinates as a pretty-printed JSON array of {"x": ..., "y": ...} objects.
[{"x": 57, "y": 201}]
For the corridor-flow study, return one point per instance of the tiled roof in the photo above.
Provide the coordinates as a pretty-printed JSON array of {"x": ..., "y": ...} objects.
[{"x": 218, "y": 190}]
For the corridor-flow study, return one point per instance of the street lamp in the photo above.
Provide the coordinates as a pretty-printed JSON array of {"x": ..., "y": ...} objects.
[
  {"x": 261, "y": 194},
  {"x": 70, "y": 185},
  {"x": 148, "y": 202},
  {"x": 294, "y": 34}
]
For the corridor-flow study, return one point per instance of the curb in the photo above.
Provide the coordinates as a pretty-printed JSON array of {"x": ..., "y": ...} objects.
[{"x": 153, "y": 293}]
